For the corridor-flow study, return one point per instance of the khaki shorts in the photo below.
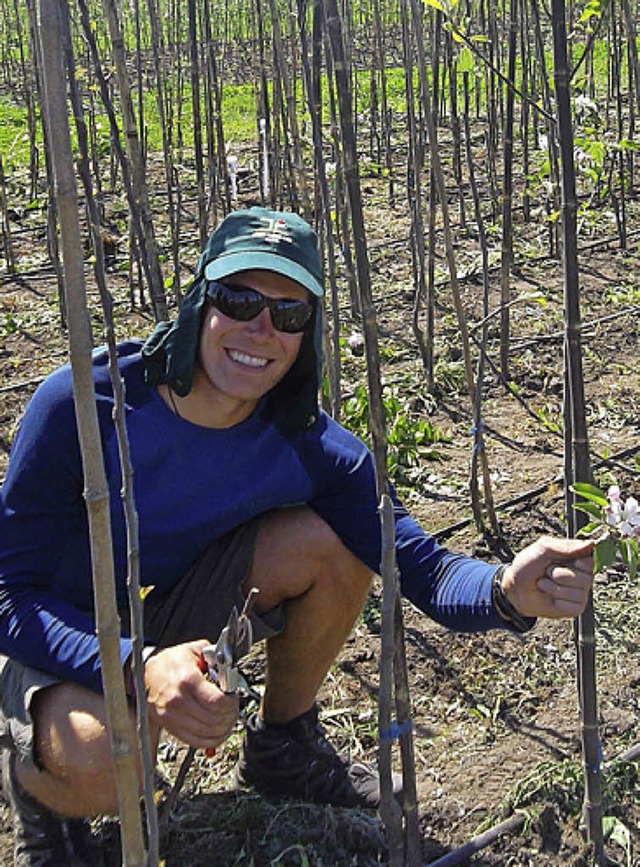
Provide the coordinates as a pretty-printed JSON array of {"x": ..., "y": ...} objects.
[{"x": 197, "y": 607}]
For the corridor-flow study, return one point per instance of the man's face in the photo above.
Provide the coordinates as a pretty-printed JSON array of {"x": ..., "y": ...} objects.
[{"x": 241, "y": 361}]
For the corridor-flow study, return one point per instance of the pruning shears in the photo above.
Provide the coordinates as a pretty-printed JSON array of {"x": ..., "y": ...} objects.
[{"x": 219, "y": 661}]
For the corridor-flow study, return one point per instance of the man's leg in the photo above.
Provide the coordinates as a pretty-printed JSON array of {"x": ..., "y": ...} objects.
[
  {"x": 299, "y": 561},
  {"x": 76, "y": 774}
]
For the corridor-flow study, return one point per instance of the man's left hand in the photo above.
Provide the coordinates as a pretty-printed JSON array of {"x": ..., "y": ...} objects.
[{"x": 550, "y": 578}]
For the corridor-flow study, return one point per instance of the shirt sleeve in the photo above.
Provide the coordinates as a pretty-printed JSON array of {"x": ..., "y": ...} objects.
[
  {"x": 42, "y": 496},
  {"x": 452, "y": 589}
]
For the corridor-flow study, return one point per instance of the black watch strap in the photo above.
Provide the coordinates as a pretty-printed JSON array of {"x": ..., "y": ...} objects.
[{"x": 505, "y": 609}]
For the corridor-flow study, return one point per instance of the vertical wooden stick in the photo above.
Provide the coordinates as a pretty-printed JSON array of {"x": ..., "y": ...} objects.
[
  {"x": 96, "y": 489},
  {"x": 577, "y": 462}
]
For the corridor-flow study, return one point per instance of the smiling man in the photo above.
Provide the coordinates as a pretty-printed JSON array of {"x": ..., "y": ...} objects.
[{"x": 240, "y": 482}]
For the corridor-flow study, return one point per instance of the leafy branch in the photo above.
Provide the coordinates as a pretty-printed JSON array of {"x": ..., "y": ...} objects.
[{"x": 615, "y": 525}]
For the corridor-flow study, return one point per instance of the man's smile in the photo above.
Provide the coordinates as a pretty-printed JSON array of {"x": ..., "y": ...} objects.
[{"x": 246, "y": 359}]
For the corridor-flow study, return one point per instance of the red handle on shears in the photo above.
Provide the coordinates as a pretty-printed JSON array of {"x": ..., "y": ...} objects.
[{"x": 204, "y": 668}]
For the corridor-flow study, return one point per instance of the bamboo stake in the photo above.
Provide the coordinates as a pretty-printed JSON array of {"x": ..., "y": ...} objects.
[
  {"x": 507, "y": 190},
  {"x": 30, "y": 105},
  {"x": 96, "y": 489},
  {"x": 134, "y": 153},
  {"x": 197, "y": 130},
  {"x": 414, "y": 196},
  {"x": 53, "y": 247},
  {"x": 292, "y": 134},
  {"x": 393, "y": 649},
  {"x": 550, "y": 126},
  {"x": 5, "y": 226},
  {"x": 165, "y": 128},
  {"x": 577, "y": 462},
  {"x": 313, "y": 104},
  {"x": 131, "y": 517},
  {"x": 137, "y": 217},
  {"x": 478, "y": 424},
  {"x": 218, "y": 187},
  {"x": 438, "y": 175}
]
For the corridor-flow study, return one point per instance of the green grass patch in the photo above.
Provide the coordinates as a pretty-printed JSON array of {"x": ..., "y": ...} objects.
[{"x": 14, "y": 134}]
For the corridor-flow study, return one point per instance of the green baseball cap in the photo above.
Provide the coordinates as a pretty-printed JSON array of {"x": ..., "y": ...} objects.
[{"x": 259, "y": 239}]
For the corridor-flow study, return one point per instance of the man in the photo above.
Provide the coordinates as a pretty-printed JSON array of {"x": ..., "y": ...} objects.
[{"x": 240, "y": 482}]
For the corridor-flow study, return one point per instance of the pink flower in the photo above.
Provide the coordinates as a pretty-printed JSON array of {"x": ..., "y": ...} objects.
[{"x": 630, "y": 518}]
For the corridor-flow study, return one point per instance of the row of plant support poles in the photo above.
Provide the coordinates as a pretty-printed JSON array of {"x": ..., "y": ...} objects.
[{"x": 315, "y": 63}]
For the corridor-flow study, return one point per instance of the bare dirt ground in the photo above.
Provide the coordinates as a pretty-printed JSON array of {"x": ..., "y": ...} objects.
[{"x": 496, "y": 718}]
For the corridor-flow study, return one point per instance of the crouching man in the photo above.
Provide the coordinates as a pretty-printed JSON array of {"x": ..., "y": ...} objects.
[{"x": 240, "y": 482}]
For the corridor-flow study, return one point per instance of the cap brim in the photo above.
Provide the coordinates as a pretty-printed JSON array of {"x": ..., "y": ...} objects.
[{"x": 247, "y": 260}]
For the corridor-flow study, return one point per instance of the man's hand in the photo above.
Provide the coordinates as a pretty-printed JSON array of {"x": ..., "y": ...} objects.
[
  {"x": 182, "y": 700},
  {"x": 550, "y": 578}
]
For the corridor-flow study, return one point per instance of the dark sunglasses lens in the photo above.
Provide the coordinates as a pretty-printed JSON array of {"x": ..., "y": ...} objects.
[
  {"x": 239, "y": 304},
  {"x": 290, "y": 316}
]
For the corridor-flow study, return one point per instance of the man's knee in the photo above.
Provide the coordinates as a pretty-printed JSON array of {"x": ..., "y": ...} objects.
[
  {"x": 295, "y": 549},
  {"x": 72, "y": 749}
]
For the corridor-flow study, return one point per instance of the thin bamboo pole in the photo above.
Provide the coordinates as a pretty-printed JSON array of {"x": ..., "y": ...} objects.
[
  {"x": 438, "y": 175},
  {"x": 134, "y": 152},
  {"x": 96, "y": 489},
  {"x": 393, "y": 649},
  {"x": 131, "y": 517},
  {"x": 414, "y": 196},
  {"x": 577, "y": 460},
  {"x": 507, "y": 198},
  {"x": 314, "y": 107}
]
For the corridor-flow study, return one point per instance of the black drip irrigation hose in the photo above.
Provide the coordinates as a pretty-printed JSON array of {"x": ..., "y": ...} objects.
[
  {"x": 509, "y": 826},
  {"x": 530, "y": 494}
]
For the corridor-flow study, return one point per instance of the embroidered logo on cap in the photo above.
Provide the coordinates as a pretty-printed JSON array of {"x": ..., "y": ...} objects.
[{"x": 275, "y": 230}]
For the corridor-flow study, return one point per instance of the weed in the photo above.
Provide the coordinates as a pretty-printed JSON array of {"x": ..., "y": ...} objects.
[
  {"x": 548, "y": 416},
  {"x": 626, "y": 293},
  {"x": 559, "y": 782},
  {"x": 449, "y": 376},
  {"x": 410, "y": 439}
]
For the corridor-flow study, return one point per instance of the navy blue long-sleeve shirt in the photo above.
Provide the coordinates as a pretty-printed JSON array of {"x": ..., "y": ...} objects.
[{"x": 191, "y": 485}]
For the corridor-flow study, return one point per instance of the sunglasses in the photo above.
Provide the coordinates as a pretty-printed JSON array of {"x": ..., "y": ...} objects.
[{"x": 243, "y": 304}]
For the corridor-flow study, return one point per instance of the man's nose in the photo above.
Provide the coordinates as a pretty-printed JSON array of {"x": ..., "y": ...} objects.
[{"x": 261, "y": 324}]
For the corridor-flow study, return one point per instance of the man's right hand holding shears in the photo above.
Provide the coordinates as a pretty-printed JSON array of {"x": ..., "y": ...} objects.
[{"x": 194, "y": 708}]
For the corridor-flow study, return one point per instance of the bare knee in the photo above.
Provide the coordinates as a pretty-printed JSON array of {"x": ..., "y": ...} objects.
[
  {"x": 72, "y": 748},
  {"x": 296, "y": 550}
]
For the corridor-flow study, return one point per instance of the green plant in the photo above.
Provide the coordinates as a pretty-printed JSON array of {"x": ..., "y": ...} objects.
[
  {"x": 547, "y": 414},
  {"x": 615, "y": 525},
  {"x": 410, "y": 438}
]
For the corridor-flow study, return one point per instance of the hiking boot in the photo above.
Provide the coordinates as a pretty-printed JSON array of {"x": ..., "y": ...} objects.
[
  {"x": 43, "y": 839},
  {"x": 296, "y": 760}
]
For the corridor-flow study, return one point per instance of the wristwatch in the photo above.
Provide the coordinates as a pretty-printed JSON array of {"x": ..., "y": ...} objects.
[{"x": 505, "y": 609}]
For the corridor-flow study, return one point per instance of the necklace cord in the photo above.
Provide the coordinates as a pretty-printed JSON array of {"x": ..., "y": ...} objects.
[{"x": 173, "y": 402}]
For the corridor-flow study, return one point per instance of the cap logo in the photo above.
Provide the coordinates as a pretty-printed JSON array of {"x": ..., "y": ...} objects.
[{"x": 275, "y": 230}]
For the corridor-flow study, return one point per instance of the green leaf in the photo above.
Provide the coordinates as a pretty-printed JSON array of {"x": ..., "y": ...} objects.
[
  {"x": 435, "y": 5},
  {"x": 466, "y": 60},
  {"x": 593, "y": 9},
  {"x": 604, "y": 554},
  {"x": 589, "y": 528},
  {"x": 589, "y": 509},
  {"x": 617, "y": 832},
  {"x": 590, "y": 492},
  {"x": 627, "y": 144},
  {"x": 629, "y": 553}
]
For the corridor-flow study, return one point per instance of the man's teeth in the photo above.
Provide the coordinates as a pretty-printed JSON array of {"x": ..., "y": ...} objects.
[{"x": 249, "y": 360}]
